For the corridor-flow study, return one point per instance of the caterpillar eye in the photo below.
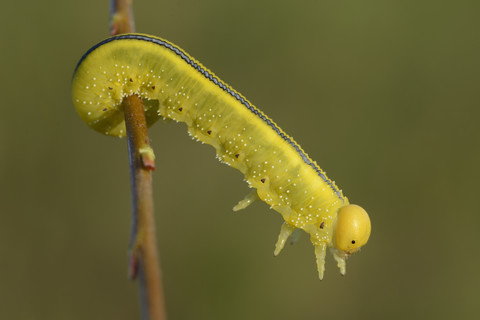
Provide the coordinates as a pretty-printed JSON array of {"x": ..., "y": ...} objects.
[
  {"x": 279, "y": 174},
  {"x": 353, "y": 228}
]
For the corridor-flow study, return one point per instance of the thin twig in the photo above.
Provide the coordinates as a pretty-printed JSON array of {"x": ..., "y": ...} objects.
[
  {"x": 143, "y": 255},
  {"x": 121, "y": 15},
  {"x": 143, "y": 248}
]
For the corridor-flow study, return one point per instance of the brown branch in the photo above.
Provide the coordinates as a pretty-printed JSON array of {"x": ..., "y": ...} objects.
[
  {"x": 143, "y": 255},
  {"x": 121, "y": 17},
  {"x": 143, "y": 248}
]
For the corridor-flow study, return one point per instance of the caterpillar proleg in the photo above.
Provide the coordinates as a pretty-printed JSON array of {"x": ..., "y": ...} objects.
[{"x": 175, "y": 86}]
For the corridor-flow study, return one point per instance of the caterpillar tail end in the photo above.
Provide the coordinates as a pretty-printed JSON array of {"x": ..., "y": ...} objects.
[
  {"x": 285, "y": 232},
  {"x": 248, "y": 200},
  {"x": 320, "y": 252}
]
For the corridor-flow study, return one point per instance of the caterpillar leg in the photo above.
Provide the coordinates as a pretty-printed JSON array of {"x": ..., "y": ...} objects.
[
  {"x": 249, "y": 198},
  {"x": 285, "y": 232},
  {"x": 320, "y": 252},
  {"x": 341, "y": 261}
]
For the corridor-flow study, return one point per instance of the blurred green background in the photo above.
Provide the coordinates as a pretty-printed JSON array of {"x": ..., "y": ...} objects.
[{"x": 384, "y": 95}]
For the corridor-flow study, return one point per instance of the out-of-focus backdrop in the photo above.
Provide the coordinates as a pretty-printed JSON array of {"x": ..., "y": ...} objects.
[{"x": 384, "y": 95}]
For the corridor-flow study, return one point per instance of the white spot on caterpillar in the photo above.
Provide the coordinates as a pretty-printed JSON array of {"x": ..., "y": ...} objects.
[{"x": 229, "y": 145}]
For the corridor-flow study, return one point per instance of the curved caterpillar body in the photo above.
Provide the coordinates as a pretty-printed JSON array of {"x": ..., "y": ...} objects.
[{"x": 175, "y": 86}]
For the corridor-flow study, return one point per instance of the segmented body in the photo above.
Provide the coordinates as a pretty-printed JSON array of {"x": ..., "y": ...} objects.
[{"x": 175, "y": 86}]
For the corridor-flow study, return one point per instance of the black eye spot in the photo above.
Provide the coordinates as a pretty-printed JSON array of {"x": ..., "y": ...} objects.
[{"x": 353, "y": 241}]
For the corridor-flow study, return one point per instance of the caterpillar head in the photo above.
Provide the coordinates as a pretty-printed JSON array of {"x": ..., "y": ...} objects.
[{"x": 353, "y": 229}]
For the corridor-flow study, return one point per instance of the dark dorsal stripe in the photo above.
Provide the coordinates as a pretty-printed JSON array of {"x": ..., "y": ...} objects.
[{"x": 224, "y": 87}]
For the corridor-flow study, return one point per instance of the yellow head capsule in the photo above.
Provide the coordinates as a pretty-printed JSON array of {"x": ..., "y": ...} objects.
[{"x": 353, "y": 228}]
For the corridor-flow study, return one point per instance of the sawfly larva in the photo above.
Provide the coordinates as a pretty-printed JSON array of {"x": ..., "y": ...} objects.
[{"x": 175, "y": 86}]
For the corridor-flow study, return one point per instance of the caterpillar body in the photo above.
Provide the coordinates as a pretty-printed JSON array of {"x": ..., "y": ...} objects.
[{"x": 173, "y": 85}]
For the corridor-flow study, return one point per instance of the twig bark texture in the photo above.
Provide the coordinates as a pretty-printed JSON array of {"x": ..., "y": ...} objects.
[{"x": 144, "y": 259}]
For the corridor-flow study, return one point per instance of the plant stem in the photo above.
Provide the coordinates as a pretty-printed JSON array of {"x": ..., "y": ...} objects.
[
  {"x": 143, "y": 255},
  {"x": 121, "y": 17},
  {"x": 143, "y": 247}
]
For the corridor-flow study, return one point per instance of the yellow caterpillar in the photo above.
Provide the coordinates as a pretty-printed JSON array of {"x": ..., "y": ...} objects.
[{"x": 173, "y": 85}]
